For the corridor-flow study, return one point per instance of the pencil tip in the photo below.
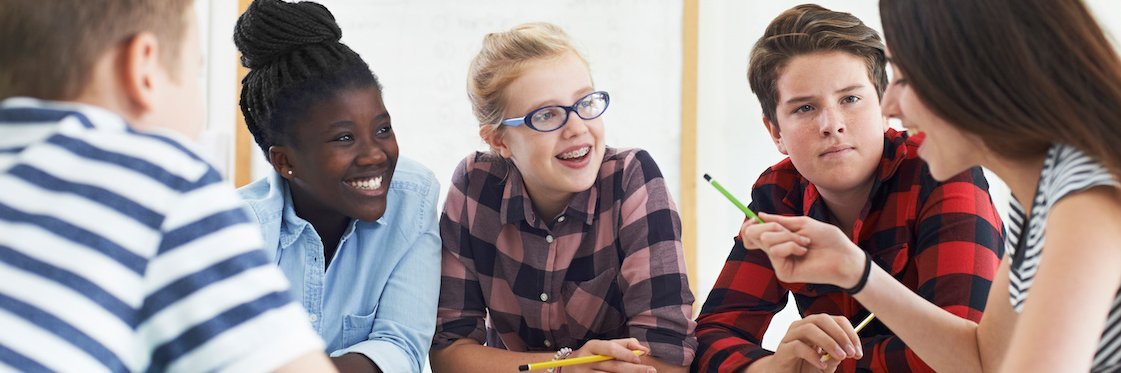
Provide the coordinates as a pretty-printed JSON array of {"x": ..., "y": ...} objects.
[
  {"x": 707, "y": 178},
  {"x": 522, "y": 368}
]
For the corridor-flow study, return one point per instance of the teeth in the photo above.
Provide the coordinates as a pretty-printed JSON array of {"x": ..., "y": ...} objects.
[
  {"x": 366, "y": 184},
  {"x": 576, "y": 153}
]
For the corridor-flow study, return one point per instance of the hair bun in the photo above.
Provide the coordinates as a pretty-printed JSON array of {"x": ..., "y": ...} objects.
[{"x": 271, "y": 29}]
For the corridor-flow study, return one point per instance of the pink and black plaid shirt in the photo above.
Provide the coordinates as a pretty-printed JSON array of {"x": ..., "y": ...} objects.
[{"x": 610, "y": 266}]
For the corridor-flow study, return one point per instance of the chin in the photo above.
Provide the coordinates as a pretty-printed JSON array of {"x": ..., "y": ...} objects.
[{"x": 369, "y": 212}]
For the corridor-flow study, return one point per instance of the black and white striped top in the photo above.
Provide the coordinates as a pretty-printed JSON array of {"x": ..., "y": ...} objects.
[{"x": 1065, "y": 171}]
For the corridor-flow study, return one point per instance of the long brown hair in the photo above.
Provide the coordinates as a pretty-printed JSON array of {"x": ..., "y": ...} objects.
[{"x": 1021, "y": 74}]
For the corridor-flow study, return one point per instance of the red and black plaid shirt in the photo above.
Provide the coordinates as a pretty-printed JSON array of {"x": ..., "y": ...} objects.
[
  {"x": 941, "y": 239},
  {"x": 610, "y": 266}
]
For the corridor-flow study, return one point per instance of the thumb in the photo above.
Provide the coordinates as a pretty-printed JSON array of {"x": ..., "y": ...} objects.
[{"x": 791, "y": 223}]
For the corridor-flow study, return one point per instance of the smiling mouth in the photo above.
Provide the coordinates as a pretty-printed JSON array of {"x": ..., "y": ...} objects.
[
  {"x": 372, "y": 183},
  {"x": 575, "y": 154}
]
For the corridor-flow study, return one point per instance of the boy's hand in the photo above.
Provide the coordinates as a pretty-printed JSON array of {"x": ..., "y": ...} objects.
[{"x": 809, "y": 338}]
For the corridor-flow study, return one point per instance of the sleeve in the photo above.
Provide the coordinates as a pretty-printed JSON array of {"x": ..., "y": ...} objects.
[
  {"x": 406, "y": 316},
  {"x": 213, "y": 300},
  {"x": 958, "y": 245},
  {"x": 462, "y": 309},
  {"x": 745, "y": 298},
  {"x": 656, "y": 294}
]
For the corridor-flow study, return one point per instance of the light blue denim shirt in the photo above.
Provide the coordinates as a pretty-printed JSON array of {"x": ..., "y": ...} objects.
[{"x": 378, "y": 297}]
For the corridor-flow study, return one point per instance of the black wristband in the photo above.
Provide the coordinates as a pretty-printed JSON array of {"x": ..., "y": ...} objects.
[{"x": 864, "y": 277}]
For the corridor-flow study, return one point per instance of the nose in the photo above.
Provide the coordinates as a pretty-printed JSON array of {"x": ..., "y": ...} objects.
[
  {"x": 574, "y": 126},
  {"x": 831, "y": 121},
  {"x": 890, "y": 104},
  {"x": 370, "y": 153}
]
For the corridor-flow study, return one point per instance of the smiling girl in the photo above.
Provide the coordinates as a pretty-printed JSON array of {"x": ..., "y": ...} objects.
[
  {"x": 556, "y": 245},
  {"x": 348, "y": 221}
]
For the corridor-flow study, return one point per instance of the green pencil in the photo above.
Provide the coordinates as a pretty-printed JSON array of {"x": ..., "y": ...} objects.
[{"x": 732, "y": 198}]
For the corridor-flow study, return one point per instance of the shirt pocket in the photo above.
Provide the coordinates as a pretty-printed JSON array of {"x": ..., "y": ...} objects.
[
  {"x": 594, "y": 308},
  {"x": 893, "y": 259},
  {"x": 357, "y": 328}
]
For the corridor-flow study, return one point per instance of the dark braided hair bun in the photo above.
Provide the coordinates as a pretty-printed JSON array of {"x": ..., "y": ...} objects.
[
  {"x": 295, "y": 60},
  {"x": 271, "y": 29}
]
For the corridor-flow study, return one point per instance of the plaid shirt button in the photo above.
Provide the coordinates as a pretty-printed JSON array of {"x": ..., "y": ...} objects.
[
  {"x": 549, "y": 238},
  {"x": 544, "y": 297}
]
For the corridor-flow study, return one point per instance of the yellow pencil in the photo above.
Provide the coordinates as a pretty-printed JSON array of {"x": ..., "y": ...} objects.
[
  {"x": 572, "y": 361},
  {"x": 862, "y": 324}
]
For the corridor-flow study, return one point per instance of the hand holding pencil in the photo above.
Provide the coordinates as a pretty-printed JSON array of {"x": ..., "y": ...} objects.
[{"x": 616, "y": 355}]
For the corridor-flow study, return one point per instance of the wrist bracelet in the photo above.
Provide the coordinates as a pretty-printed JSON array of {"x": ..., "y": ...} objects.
[
  {"x": 561, "y": 354},
  {"x": 864, "y": 277}
]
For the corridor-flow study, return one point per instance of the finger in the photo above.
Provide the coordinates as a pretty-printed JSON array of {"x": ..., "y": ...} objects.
[
  {"x": 793, "y": 223},
  {"x": 749, "y": 233},
  {"x": 837, "y": 329},
  {"x": 853, "y": 337},
  {"x": 620, "y": 366},
  {"x": 812, "y": 334},
  {"x": 831, "y": 366},
  {"x": 803, "y": 351},
  {"x": 620, "y": 349},
  {"x": 772, "y": 238},
  {"x": 786, "y": 249}
]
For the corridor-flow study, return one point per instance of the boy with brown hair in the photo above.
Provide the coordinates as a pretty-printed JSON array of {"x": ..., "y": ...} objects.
[
  {"x": 121, "y": 249},
  {"x": 819, "y": 76}
]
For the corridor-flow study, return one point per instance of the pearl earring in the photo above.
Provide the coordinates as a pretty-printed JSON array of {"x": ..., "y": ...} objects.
[{"x": 289, "y": 172}]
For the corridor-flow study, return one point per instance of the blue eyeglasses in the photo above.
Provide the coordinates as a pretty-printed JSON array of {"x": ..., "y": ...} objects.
[{"x": 552, "y": 118}]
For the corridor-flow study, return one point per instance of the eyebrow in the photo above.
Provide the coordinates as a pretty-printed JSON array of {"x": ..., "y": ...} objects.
[
  {"x": 810, "y": 98},
  {"x": 588, "y": 90},
  {"x": 349, "y": 123}
]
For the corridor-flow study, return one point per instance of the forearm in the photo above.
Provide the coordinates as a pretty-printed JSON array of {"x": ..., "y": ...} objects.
[
  {"x": 662, "y": 366},
  {"x": 762, "y": 365},
  {"x": 354, "y": 363},
  {"x": 943, "y": 340},
  {"x": 724, "y": 350},
  {"x": 469, "y": 356}
]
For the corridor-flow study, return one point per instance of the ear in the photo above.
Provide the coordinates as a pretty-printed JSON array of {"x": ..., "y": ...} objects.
[
  {"x": 776, "y": 135},
  {"x": 278, "y": 157},
  {"x": 141, "y": 65},
  {"x": 494, "y": 138}
]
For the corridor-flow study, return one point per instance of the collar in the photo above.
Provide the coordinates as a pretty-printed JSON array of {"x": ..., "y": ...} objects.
[
  {"x": 517, "y": 206},
  {"x": 292, "y": 226},
  {"x": 897, "y": 148}
]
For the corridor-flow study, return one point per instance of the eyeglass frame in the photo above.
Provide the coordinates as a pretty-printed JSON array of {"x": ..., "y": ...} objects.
[{"x": 526, "y": 120}]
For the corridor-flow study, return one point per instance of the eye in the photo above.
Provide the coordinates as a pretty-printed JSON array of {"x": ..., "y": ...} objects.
[
  {"x": 900, "y": 82},
  {"x": 850, "y": 99},
  {"x": 384, "y": 130},
  {"x": 344, "y": 137},
  {"x": 803, "y": 109},
  {"x": 544, "y": 116}
]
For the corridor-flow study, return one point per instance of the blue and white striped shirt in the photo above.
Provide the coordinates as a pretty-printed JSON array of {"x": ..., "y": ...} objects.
[{"x": 124, "y": 251}]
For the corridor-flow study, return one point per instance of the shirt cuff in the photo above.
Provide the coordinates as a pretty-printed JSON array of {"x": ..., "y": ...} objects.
[{"x": 387, "y": 356}]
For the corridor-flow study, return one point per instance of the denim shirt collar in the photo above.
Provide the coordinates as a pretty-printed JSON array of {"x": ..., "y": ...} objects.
[{"x": 278, "y": 202}]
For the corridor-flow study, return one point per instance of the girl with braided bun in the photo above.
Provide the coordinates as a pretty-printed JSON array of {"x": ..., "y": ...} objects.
[{"x": 349, "y": 222}]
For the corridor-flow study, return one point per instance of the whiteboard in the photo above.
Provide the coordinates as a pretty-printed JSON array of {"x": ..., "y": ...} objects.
[{"x": 420, "y": 51}]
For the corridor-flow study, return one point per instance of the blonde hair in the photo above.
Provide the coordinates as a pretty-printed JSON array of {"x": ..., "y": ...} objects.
[{"x": 503, "y": 58}]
